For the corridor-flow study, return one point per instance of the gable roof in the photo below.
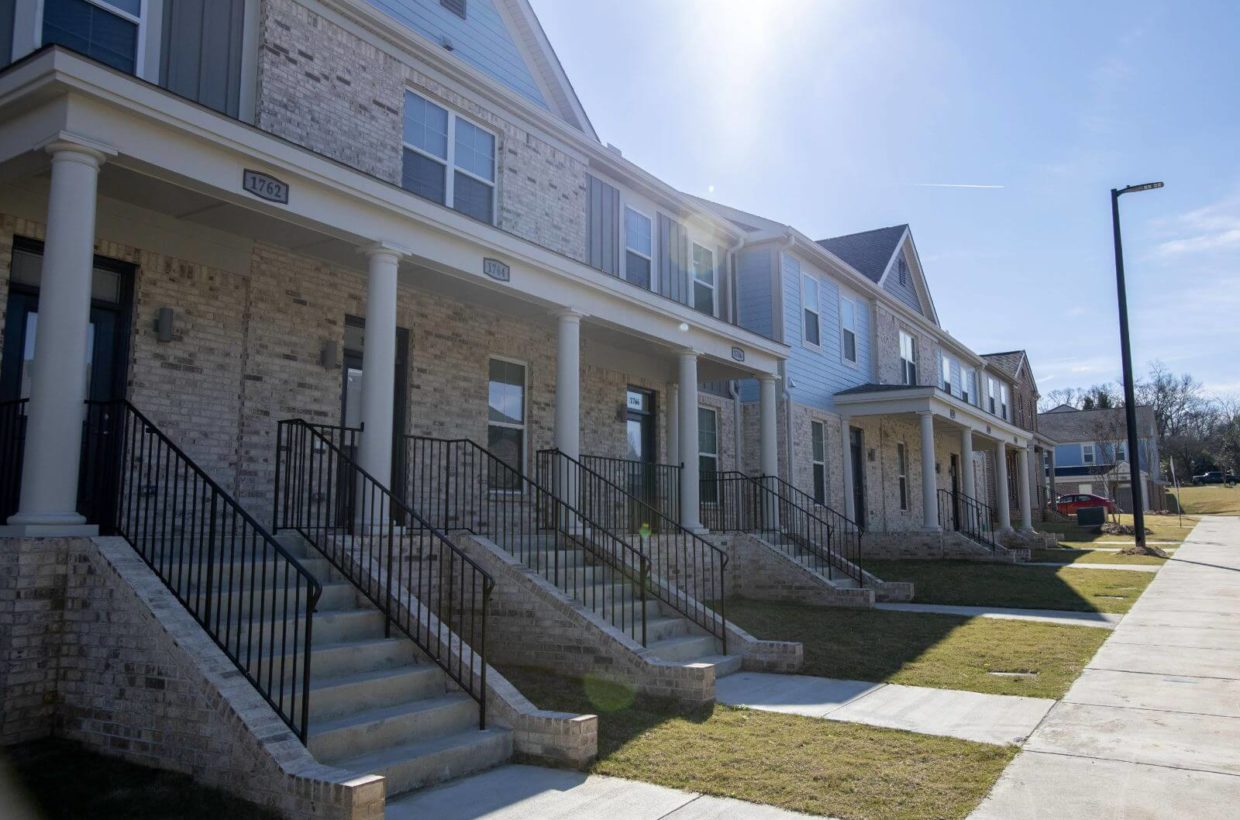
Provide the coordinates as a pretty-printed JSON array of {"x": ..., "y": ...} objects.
[
  {"x": 545, "y": 64},
  {"x": 1071, "y": 425},
  {"x": 870, "y": 252},
  {"x": 1006, "y": 363}
]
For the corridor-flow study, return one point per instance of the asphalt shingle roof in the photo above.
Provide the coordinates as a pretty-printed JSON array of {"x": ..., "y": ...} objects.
[
  {"x": 1084, "y": 425},
  {"x": 1008, "y": 362},
  {"x": 868, "y": 251}
]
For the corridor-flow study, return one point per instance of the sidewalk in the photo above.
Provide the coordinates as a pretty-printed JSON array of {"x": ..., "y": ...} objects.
[
  {"x": 997, "y": 719},
  {"x": 520, "y": 792},
  {"x": 1102, "y": 620},
  {"x": 1152, "y": 727}
]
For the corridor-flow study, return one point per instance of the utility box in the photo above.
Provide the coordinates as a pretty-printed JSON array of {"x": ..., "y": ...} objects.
[{"x": 1091, "y": 516}]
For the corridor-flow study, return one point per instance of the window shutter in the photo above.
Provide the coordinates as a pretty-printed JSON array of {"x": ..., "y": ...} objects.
[
  {"x": 723, "y": 284},
  {"x": 603, "y": 225},
  {"x": 201, "y": 55},
  {"x": 673, "y": 260}
]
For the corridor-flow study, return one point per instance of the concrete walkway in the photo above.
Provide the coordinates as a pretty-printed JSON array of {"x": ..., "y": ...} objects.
[
  {"x": 998, "y": 719},
  {"x": 520, "y": 792},
  {"x": 1102, "y": 620},
  {"x": 1081, "y": 565},
  {"x": 1152, "y": 727}
]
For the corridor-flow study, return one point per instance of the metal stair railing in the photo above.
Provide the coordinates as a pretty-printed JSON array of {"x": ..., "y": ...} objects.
[
  {"x": 968, "y": 516},
  {"x": 688, "y": 572},
  {"x": 252, "y": 597},
  {"x": 355, "y": 521},
  {"x": 655, "y": 485}
]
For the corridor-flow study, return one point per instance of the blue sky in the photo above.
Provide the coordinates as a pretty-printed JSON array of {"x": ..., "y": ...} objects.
[{"x": 840, "y": 116}]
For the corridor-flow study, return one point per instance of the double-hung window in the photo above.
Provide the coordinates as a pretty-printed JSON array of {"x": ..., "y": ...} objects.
[
  {"x": 946, "y": 364},
  {"x": 812, "y": 331},
  {"x": 902, "y": 473},
  {"x": 448, "y": 159},
  {"x": 908, "y": 358},
  {"x": 1087, "y": 454},
  {"x": 991, "y": 394},
  {"x": 110, "y": 31},
  {"x": 506, "y": 422},
  {"x": 819, "y": 461},
  {"x": 966, "y": 384},
  {"x": 1003, "y": 401},
  {"x": 638, "y": 248},
  {"x": 708, "y": 455},
  {"x": 848, "y": 329},
  {"x": 703, "y": 279},
  {"x": 1121, "y": 452}
]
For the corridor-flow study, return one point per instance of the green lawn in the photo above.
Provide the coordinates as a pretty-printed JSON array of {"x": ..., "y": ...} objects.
[
  {"x": 63, "y": 780},
  {"x": 965, "y": 583},
  {"x": 1159, "y": 528},
  {"x": 1212, "y": 499},
  {"x": 1087, "y": 556},
  {"x": 942, "y": 651},
  {"x": 805, "y": 764}
]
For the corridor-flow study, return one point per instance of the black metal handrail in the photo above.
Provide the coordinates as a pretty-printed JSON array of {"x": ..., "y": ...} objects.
[
  {"x": 844, "y": 534},
  {"x": 734, "y": 502},
  {"x": 688, "y": 572},
  {"x": 457, "y": 484},
  {"x": 386, "y": 550},
  {"x": 967, "y": 515},
  {"x": 655, "y": 485},
  {"x": 252, "y": 597},
  {"x": 12, "y": 444}
]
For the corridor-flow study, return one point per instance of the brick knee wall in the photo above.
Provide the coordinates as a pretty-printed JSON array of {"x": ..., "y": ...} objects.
[{"x": 106, "y": 656}]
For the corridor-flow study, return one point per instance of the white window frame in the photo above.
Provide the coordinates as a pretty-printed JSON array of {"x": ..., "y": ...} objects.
[
  {"x": 902, "y": 473},
  {"x": 715, "y": 455},
  {"x": 991, "y": 398},
  {"x": 142, "y": 21},
  {"x": 816, "y": 310},
  {"x": 1088, "y": 454},
  {"x": 967, "y": 379},
  {"x": 525, "y": 415},
  {"x": 853, "y": 306},
  {"x": 1004, "y": 401},
  {"x": 817, "y": 464},
  {"x": 905, "y": 364},
  {"x": 1121, "y": 452},
  {"x": 625, "y": 207},
  {"x": 694, "y": 247},
  {"x": 449, "y": 162},
  {"x": 945, "y": 368}
]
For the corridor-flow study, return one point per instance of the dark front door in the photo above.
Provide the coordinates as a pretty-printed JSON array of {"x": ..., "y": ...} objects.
[
  {"x": 642, "y": 453},
  {"x": 954, "y": 471},
  {"x": 856, "y": 441}
]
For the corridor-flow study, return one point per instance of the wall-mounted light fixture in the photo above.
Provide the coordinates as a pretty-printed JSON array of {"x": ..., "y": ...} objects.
[
  {"x": 872, "y": 455},
  {"x": 164, "y": 320},
  {"x": 329, "y": 356}
]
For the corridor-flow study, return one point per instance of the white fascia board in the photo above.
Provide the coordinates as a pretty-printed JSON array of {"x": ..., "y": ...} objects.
[{"x": 161, "y": 135}]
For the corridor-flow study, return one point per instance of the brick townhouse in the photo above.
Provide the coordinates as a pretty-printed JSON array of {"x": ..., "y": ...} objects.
[{"x": 340, "y": 352}]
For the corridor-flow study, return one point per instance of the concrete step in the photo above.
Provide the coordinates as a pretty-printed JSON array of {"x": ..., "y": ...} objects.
[
  {"x": 244, "y": 574},
  {"x": 374, "y": 730},
  {"x": 336, "y": 659},
  {"x": 347, "y": 694},
  {"x": 336, "y": 595},
  {"x": 661, "y": 629},
  {"x": 548, "y": 558},
  {"x": 427, "y": 762},
  {"x": 724, "y": 664},
  {"x": 330, "y": 626},
  {"x": 683, "y": 648}
]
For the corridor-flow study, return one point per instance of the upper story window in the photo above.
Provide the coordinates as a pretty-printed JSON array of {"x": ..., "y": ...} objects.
[
  {"x": 703, "y": 279},
  {"x": 1003, "y": 401},
  {"x": 947, "y": 373},
  {"x": 1121, "y": 452},
  {"x": 110, "y": 31},
  {"x": 908, "y": 358},
  {"x": 638, "y": 248},
  {"x": 992, "y": 394},
  {"x": 848, "y": 329},
  {"x": 1087, "y": 454},
  {"x": 457, "y": 7},
  {"x": 448, "y": 159},
  {"x": 812, "y": 332},
  {"x": 966, "y": 384}
]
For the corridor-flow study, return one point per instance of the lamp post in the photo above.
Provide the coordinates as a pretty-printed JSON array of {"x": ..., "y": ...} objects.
[{"x": 1130, "y": 399}]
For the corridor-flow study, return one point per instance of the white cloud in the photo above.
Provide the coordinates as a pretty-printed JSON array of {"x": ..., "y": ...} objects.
[{"x": 1215, "y": 227}]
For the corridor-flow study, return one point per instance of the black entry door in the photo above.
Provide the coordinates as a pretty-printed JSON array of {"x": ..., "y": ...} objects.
[
  {"x": 856, "y": 441},
  {"x": 954, "y": 470},
  {"x": 642, "y": 453}
]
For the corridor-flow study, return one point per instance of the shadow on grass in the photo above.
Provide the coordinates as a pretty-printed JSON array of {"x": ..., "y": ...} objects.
[{"x": 60, "y": 779}]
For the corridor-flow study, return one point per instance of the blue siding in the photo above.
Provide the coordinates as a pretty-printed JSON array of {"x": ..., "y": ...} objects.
[
  {"x": 821, "y": 373},
  {"x": 755, "y": 310},
  {"x": 906, "y": 293},
  {"x": 481, "y": 40},
  {"x": 7, "y": 10},
  {"x": 1069, "y": 455}
]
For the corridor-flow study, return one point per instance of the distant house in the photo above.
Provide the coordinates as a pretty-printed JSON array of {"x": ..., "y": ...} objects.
[{"x": 1091, "y": 454}]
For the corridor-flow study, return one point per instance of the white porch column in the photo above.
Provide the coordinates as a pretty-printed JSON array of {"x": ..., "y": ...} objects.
[
  {"x": 48, "y": 503},
  {"x": 768, "y": 413},
  {"x": 379, "y": 362},
  {"x": 929, "y": 485},
  {"x": 673, "y": 424},
  {"x": 968, "y": 484},
  {"x": 690, "y": 513},
  {"x": 1022, "y": 489},
  {"x": 850, "y": 501},
  {"x": 568, "y": 385},
  {"x": 1001, "y": 487}
]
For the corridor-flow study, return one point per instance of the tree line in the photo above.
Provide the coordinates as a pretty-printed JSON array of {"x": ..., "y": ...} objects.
[{"x": 1200, "y": 432}]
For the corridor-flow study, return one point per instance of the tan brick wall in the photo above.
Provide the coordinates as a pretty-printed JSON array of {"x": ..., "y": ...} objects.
[
  {"x": 328, "y": 90},
  {"x": 887, "y": 335}
]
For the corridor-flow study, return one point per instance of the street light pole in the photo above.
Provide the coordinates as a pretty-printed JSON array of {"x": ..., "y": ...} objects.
[{"x": 1130, "y": 399}]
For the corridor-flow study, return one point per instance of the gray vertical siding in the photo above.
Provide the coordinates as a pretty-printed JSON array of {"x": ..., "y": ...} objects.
[
  {"x": 482, "y": 39},
  {"x": 7, "y": 8},
  {"x": 755, "y": 307},
  {"x": 603, "y": 237},
  {"x": 202, "y": 52},
  {"x": 906, "y": 293},
  {"x": 673, "y": 260},
  {"x": 723, "y": 284}
]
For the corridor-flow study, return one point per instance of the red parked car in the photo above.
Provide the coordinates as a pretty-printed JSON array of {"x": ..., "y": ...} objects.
[{"x": 1069, "y": 504}]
